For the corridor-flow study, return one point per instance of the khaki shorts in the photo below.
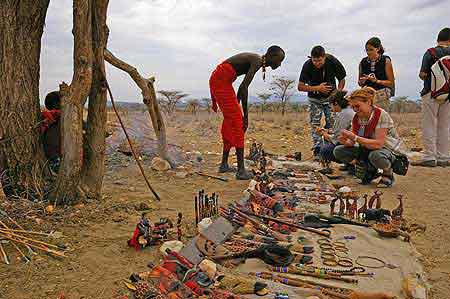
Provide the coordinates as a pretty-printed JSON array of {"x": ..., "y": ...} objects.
[{"x": 382, "y": 98}]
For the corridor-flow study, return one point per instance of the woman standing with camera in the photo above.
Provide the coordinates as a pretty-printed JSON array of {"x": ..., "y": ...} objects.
[{"x": 376, "y": 71}]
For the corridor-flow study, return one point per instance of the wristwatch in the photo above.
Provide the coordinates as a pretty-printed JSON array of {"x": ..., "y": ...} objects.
[{"x": 356, "y": 140}]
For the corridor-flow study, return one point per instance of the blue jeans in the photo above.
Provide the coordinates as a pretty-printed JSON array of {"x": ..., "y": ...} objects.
[{"x": 326, "y": 152}]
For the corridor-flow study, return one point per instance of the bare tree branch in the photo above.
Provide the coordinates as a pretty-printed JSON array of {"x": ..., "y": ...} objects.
[{"x": 149, "y": 98}]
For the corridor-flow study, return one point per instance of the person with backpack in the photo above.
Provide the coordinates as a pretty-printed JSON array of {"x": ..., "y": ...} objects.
[
  {"x": 372, "y": 144},
  {"x": 376, "y": 71},
  {"x": 435, "y": 73},
  {"x": 318, "y": 78}
]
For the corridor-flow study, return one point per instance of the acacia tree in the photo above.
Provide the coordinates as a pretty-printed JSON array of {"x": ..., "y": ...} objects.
[
  {"x": 207, "y": 102},
  {"x": 193, "y": 105},
  {"x": 21, "y": 153},
  {"x": 171, "y": 98},
  {"x": 283, "y": 89},
  {"x": 263, "y": 97}
]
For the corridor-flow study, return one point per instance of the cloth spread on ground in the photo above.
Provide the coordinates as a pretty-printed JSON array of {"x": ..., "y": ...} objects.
[
  {"x": 366, "y": 243},
  {"x": 224, "y": 96}
]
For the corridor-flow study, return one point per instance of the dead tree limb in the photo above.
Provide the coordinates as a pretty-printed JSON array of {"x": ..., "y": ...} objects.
[
  {"x": 149, "y": 99},
  {"x": 67, "y": 187}
]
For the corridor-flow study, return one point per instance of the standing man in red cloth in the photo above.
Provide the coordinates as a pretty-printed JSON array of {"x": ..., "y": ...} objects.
[{"x": 235, "y": 120}]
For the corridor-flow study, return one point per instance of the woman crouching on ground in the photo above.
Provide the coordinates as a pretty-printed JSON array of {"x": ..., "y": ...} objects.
[{"x": 372, "y": 140}]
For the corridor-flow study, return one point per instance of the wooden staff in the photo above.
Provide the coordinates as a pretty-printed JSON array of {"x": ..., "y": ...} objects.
[
  {"x": 212, "y": 176},
  {"x": 284, "y": 279},
  {"x": 31, "y": 251},
  {"x": 130, "y": 143},
  {"x": 196, "y": 209},
  {"x": 7, "y": 230},
  {"x": 291, "y": 270},
  {"x": 200, "y": 205},
  {"x": 299, "y": 226},
  {"x": 43, "y": 248},
  {"x": 30, "y": 240},
  {"x": 179, "y": 220},
  {"x": 275, "y": 234},
  {"x": 4, "y": 255}
]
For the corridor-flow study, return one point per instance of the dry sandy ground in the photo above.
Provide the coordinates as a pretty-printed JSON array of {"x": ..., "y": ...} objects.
[{"x": 97, "y": 232}]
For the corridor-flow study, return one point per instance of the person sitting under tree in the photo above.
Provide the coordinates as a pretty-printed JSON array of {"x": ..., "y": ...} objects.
[
  {"x": 235, "y": 120},
  {"x": 51, "y": 129}
]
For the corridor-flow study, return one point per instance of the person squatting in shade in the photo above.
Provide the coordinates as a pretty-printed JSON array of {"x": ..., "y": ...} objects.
[
  {"x": 376, "y": 71},
  {"x": 372, "y": 140},
  {"x": 51, "y": 129},
  {"x": 235, "y": 120},
  {"x": 318, "y": 78},
  {"x": 342, "y": 121}
]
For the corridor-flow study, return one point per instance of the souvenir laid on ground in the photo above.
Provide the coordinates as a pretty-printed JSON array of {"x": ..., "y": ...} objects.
[
  {"x": 148, "y": 234},
  {"x": 292, "y": 236}
]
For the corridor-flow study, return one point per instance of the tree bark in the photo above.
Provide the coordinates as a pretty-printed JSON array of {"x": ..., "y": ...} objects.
[
  {"x": 149, "y": 99},
  {"x": 21, "y": 27},
  {"x": 94, "y": 145},
  {"x": 67, "y": 187}
]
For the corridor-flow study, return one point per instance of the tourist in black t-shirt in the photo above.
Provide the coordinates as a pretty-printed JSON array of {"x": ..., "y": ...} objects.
[
  {"x": 376, "y": 71},
  {"x": 318, "y": 79}
]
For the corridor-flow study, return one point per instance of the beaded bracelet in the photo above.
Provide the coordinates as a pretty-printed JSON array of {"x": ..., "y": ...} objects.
[
  {"x": 345, "y": 262},
  {"x": 330, "y": 263}
]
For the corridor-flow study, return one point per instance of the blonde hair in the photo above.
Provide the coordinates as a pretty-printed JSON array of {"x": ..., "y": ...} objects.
[{"x": 365, "y": 94}]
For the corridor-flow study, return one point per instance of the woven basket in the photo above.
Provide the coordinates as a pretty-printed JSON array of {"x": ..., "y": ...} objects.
[{"x": 392, "y": 233}]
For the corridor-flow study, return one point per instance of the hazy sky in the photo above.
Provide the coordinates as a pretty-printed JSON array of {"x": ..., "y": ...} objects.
[{"x": 181, "y": 41}]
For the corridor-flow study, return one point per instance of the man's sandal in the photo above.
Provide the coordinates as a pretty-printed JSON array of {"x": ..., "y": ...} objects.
[{"x": 386, "y": 181}]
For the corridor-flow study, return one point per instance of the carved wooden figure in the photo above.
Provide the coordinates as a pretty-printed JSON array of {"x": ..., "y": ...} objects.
[
  {"x": 376, "y": 196},
  {"x": 398, "y": 212},
  {"x": 341, "y": 207},
  {"x": 363, "y": 209}
]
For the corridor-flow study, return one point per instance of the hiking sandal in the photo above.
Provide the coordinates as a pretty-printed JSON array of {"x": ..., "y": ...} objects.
[{"x": 386, "y": 181}]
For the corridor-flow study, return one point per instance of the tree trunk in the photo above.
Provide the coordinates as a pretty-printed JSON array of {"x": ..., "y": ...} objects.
[
  {"x": 67, "y": 186},
  {"x": 149, "y": 95},
  {"x": 94, "y": 145},
  {"x": 21, "y": 27}
]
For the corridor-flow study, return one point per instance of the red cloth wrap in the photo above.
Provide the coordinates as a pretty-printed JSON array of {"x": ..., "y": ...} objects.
[
  {"x": 134, "y": 242},
  {"x": 369, "y": 129},
  {"x": 223, "y": 95},
  {"x": 49, "y": 117}
]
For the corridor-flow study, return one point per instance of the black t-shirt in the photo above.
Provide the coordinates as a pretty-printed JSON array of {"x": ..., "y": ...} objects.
[{"x": 328, "y": 73}]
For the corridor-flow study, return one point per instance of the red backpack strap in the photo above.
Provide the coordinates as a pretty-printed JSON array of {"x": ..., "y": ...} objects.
[{"x": 433, "y": 53}]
